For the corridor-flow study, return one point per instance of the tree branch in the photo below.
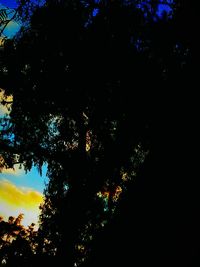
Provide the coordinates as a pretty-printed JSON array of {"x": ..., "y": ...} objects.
[
  {"x": 4, "y": 102},
  {"x": 8, "y": 21}
]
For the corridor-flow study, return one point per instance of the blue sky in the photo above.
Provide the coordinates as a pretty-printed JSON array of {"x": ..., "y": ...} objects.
[
  {"x": 13, "y": 3},
  {"x": 162, "y": 8},
  {"x": 13, "y": 27},
  {"x": 31, "y": 179},
  {"x": 8, "y": 3},
  {"x": 20, "y": 192}
]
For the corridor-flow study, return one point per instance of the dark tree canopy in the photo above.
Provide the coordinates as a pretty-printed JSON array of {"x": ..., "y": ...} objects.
[
  {"x": 16, "y": 242},
  {"x": 98, "y": 95}
]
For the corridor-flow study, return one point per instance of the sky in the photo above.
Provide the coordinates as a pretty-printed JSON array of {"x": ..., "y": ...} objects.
[
  {"x": 9, "y": 3},
  {"x": 13, "y": 27},
  {"x": 20, "y": 192}
]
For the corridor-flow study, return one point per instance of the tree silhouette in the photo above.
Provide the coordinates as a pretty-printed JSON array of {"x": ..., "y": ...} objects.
[
  {"x": 92, "y": 88},
  {"x": 17, "y": 242}
]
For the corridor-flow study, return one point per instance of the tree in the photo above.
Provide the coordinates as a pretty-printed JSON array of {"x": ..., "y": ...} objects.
[
  {"x": 84, "y": 76},
  {"x": 16, "y": 242}
]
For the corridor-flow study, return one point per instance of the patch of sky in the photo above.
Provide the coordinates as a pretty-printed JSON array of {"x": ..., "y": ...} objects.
[
  {"x": 15, "y": 3},
  {"x": 31, "y": 179},
  {"x": 14, "y": 26},
  {"x": 164, "y": 8},
  {"x": 95, "y": 12},
  {"x": 11, "y": 29},
  {"x": 53, "y": 125},
  {"x": 10, "y": 4}
]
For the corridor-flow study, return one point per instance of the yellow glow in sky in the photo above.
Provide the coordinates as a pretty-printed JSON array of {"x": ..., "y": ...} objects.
[{"x": 15, "y": 200}]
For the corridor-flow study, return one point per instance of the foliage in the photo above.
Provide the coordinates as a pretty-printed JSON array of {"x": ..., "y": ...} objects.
[
  {"x": 17, "y": 243},
  {"x": 91, "y": 83}
]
